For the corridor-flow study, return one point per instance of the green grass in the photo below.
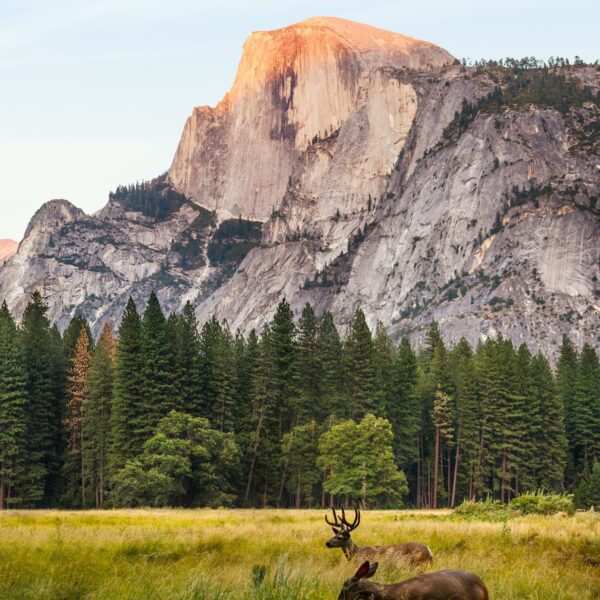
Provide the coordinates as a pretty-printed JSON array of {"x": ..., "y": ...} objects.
[{"x": 280, "y": 555}]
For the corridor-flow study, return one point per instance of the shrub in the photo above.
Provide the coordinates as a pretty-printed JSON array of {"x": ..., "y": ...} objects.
[
  {"x": 540, "y": 503},
  {"x": 485, "y": 510}
]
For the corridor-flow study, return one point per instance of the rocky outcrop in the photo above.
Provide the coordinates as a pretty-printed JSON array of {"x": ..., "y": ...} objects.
[
  {"x": 347, "y": 167},
  {"x": 7, "y": 249},
  {"x": 321, "y": 79}
]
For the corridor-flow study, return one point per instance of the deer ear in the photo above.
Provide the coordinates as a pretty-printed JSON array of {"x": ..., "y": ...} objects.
[
  {"x": 336, "y": 531},
  {"x": 372, "y": 570},
  {"x": 363, "y": 570}
]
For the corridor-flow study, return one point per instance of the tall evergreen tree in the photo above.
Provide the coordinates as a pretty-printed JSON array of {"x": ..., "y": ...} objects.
[
  {"x": 551, "y": 441},
  {"x": 158, "y": 359},
  {"x": 127, "y": 406},
  {"x": 188, "y": 370},
  {"x": 329, "y": 346},
  {"x": 359, "y": 368},
  {"x": 13, "y": 401},
  {"x": 72, "y": 334},
  {"x": 566, "y": 375},
  {"x": 96, "y": 417},
  {"x": 77, "y": 392},
  {"x": 310, "y": 404},
  {"x": 384, "y": 355},
  {"x": 586, "y": 410},
  {"x": 42, "y": 411}
]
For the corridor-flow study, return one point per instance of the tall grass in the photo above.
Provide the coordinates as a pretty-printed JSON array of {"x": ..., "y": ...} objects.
[{"x": 280, "y": 555}]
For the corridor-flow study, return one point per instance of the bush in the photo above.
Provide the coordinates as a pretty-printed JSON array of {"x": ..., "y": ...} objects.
[
  {"x": 486, "y": 510},
  {"x": 534, "y": 503},
  {"x": 540, "y": 503}
]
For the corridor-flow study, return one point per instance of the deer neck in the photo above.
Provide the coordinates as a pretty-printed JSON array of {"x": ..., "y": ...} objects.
[
  {"x": 374, "y": 590},
  {"x": 350, "y": 549}
]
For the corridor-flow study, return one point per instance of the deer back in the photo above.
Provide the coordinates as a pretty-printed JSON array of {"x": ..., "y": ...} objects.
[
  {"x": 440, "y": 585},
  {"x": 417, "y": 554}
]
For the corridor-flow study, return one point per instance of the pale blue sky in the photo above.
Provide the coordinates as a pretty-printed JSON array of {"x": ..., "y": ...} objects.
[{"x": 94, "y": 93}]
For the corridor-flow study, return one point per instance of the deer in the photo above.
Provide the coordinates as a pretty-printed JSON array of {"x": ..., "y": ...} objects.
[
  {"x": 417, "y": 554},
  {"x": 441, "y": 585}
]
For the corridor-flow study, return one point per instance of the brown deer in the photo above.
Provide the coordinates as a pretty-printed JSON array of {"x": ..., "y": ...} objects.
[
  {"x": 442, "y": 585},
  {"x": 416, "y": 553}
]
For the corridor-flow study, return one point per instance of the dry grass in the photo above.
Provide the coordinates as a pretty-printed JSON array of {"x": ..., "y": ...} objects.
[{"x": 210, "y": 554}]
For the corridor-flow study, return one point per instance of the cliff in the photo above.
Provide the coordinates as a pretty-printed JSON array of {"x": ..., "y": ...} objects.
[{"x": 350, "y": 166}]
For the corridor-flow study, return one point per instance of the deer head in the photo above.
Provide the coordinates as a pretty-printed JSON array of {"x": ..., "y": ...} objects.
[
  {"x": 342, "y": 528},
  {"x": 352, "y": 587}
]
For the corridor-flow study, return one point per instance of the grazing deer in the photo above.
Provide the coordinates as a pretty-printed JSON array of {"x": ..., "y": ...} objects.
[
  {"x": 416, "y": 553},
  {"x": 442, "y": 585}
]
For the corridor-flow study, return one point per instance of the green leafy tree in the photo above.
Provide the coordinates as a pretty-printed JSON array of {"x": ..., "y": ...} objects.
[
  {"x": 359, "y": 460},
  {"x": 194, "y": 464}
]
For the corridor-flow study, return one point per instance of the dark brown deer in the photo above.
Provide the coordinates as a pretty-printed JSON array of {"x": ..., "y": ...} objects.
[
  {"x": 416, "y": 553},
  {"x": 442, "y": 585}
]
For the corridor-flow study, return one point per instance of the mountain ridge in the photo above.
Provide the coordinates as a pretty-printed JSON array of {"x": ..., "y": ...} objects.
[{"x": 441, "y": 192}]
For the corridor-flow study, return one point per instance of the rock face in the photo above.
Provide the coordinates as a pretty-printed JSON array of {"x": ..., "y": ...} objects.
[
  {"x": 347, "y": 167},
  {"x": 7, "y": 249},
  {"x": 296, "y": 86}
]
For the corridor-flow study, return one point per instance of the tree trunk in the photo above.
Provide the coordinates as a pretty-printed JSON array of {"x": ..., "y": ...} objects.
[
  {"x": 298, "y": 496},
  {"x": 435, "y": 466},
  {"x": 1, "y": 493},
  {"x": 254, "y": 452},
  {"x": 456, "y": 459}
]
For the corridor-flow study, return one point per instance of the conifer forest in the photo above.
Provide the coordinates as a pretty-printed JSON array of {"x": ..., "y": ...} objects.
[{"x": 170, "y": 412}]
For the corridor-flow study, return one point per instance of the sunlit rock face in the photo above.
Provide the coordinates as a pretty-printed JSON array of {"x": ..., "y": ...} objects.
[
  {"x": 320, "y": 79},
  {"x": 331, "y": 174}
]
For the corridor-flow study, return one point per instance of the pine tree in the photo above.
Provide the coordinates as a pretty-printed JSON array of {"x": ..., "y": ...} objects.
[
  {"x": 332, "y": 375},
  {"x": 96, "y": 416},
  {"x": 403, "y": 408},
  {"x": 77, "y": 391},
  {"x": 225, "y": 374},
  {"x": 359, "y": 367},
  {"x": 127, "y": 406},
  {"x": 384, "y": 355},
  {"x": 551, "y": 441},
  {"x": 311, "y": 395},
  {"x": 188, "y": 368},
  {"x": 262, "y": 452},
  {"x": 566, "y": 375},
  {"x": 586, "y": 410},
  {"x": 72, "y": 334},
  {"x": 157, "y": 391},
  {"x": 43, "y": 412},
  {"x": 13, "y": 400},
  {"x": 467, "y": 419},
  {"x": 286, "y": 381}
]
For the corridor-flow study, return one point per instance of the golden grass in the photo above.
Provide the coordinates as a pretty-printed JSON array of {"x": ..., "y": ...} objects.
[{"x": 210, "y": 554}]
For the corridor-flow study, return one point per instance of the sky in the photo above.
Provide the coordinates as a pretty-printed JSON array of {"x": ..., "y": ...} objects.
[{"x": 95, "y": 93}]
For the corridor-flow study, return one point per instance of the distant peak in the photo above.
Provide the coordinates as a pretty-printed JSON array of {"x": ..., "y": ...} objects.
[{"x": 53, "y": 214}]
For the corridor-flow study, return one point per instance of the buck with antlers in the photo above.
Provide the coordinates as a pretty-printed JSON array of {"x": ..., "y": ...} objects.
[
  {"x": 442, "y": 585},
  {"x": 416, "y": 553}
]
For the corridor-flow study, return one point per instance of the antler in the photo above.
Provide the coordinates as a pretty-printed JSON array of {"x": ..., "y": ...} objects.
[
  {"x": 355, "y": 523},
  {"x": 336, "y": 521}
]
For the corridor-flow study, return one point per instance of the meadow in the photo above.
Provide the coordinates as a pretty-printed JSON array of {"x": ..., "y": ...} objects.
[{"x": 280, "y": 554}]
